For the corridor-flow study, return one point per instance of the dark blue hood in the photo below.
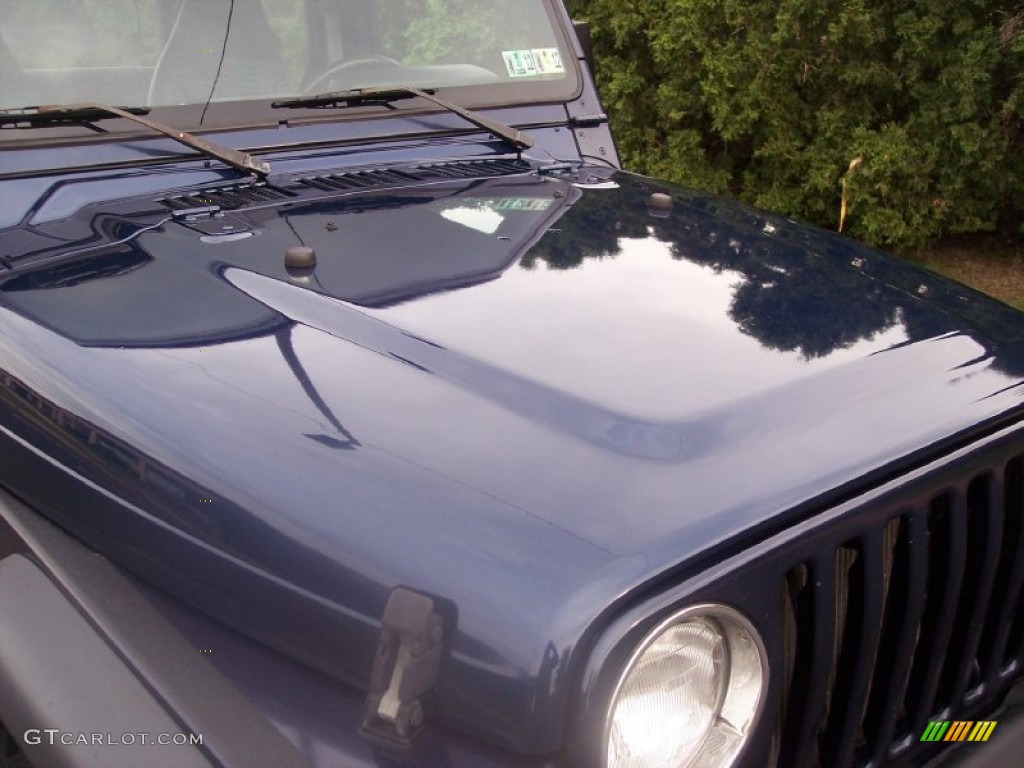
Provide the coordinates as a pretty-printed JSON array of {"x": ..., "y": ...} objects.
[{"x": 527, "y": 395}]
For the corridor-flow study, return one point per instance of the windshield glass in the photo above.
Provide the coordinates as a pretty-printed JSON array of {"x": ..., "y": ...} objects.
[{"x": 165, "y": 53}]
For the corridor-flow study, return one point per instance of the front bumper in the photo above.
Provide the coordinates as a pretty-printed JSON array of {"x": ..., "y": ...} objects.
[
  {"x": 91, "y": 659},
  {"x": 87, "y": 666}
]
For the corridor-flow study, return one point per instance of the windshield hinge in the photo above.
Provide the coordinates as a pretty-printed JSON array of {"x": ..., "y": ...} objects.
[
  {"x": 556, "y": 169},
  {"x": 588, "y": 121},
  {"x": 405, "y": 667}
]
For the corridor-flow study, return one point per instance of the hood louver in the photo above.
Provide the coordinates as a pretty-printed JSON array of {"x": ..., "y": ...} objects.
[
  {"x": 236, "y": 196},
  {"x": 230, "y": 197},
  {"x": 343, "y": 182},
  {"x": 465, "y": 169}
]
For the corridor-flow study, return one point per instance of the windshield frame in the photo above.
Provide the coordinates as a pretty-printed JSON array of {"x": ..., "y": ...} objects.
[{"x": 243, "y": 114}]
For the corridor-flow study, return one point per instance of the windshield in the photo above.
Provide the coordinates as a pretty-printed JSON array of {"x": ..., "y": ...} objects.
[{"x": 168, "y": 53}]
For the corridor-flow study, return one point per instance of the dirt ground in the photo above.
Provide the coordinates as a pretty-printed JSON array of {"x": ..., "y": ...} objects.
[{"x": 995, "y": 268}]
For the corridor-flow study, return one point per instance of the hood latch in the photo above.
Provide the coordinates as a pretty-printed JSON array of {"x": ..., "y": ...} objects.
[{"x": 405, "y": 667}]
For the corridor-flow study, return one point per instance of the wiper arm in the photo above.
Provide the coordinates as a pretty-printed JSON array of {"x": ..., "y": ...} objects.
[
  {"x": 89, "y": 111},
  {"x": 506, "y": 133}
]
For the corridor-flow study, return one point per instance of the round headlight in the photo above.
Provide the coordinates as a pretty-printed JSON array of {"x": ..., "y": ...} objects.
[{"x": 690, "y": 693}]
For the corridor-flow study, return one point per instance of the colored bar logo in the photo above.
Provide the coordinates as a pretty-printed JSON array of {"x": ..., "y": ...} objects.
[{"x": 958, "y": 730}]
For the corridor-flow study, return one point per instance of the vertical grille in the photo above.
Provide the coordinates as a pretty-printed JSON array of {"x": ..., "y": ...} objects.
[{"x": 916, "y": 617}]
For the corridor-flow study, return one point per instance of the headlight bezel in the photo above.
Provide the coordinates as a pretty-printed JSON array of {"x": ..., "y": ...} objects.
[{"x": 621, "y": 654}]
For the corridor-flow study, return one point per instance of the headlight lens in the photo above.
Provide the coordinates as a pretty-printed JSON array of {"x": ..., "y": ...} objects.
[{"x": 690, "y": 694}]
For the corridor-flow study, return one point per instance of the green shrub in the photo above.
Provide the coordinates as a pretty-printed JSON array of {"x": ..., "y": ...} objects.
[{"x": 771, "y": 100}]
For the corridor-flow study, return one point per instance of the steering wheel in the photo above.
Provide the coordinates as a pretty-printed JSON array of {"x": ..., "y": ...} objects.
[{"x": 364, "y": 62}]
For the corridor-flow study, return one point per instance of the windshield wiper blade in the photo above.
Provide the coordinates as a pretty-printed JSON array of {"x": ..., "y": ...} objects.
[
  {"x": 386, "y": 94},
  {"x": 51, "y": 115},
  {"x": 87, "y": 112}
]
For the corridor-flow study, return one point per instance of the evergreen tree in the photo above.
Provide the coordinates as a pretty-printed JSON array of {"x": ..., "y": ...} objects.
[{"x": 774, "y": 101}]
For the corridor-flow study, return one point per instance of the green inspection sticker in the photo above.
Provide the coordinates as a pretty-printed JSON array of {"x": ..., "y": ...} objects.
[
  {"x": 521, "y": 204},
  {"x": 520, "y": 63}
]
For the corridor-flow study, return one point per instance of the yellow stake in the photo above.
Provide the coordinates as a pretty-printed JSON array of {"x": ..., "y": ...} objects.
[{"x": 842, "y": 209}]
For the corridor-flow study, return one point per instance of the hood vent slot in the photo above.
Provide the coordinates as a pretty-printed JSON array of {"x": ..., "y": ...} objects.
[
  {"x": 343, "y": 182},
  {"x": 230, "y": 197},
  {"x": 465, "y": 169},
  {"x": 460, "y": 169},
  {"x": 235, "y": 196}
]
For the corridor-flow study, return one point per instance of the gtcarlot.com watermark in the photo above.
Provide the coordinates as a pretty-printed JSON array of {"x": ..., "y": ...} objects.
[{"x": 54, "y": 736}]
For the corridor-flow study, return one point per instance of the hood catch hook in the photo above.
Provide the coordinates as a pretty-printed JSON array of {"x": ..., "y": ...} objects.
[{"x": 406, "y": 666}]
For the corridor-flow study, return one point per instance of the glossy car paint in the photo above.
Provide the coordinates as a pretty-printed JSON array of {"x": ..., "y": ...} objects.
[
  {"x": 530, "y": 422},
  {"x": 533, "y": 430}
]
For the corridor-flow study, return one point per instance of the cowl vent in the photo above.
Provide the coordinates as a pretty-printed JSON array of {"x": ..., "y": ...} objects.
[
  {"x": 461, "y": 169},
  {"x": 343, "y": 182},
  {"x": 229, "y": 197},
  {"x": 235, "y": 196},
  {"x": 465, "y": 169}
]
